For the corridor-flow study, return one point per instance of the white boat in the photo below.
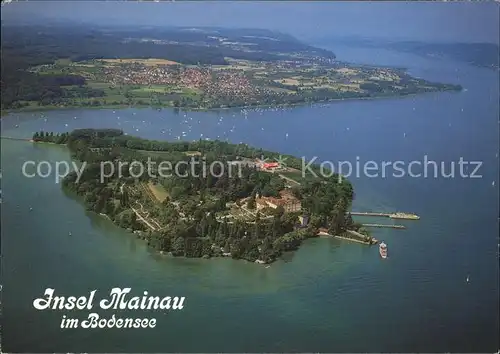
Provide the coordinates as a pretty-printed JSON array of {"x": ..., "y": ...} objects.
[{"x": 383, "y": 250}]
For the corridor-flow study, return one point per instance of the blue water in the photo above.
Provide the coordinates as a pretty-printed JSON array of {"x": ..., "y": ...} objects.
[{"x": 331, "y": 295}]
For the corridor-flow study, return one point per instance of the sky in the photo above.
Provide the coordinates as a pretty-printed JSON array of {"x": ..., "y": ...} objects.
[{"x": 307, "y": 20}]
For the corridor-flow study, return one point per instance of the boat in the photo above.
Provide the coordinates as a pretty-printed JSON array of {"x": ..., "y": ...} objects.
[
  {"x": 383, "y": 250},
  {"x": 406, "y": 216}
]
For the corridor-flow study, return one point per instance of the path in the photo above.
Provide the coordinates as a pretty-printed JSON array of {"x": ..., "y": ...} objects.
[
  {"x": 146, "y": 215},
  {"x": 143, "y": 219},
  {"x": 289, "y": 179}
]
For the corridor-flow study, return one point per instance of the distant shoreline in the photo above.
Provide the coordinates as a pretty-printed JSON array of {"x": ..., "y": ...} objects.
[{"x": 214, "y": 109}]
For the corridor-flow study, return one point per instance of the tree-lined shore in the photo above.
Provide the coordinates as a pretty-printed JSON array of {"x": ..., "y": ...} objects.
[{"x": 195, "y": 216}]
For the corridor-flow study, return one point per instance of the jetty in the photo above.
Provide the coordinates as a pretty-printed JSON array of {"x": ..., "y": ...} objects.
[
  {"x": 357, "y": 237},
  {"x": 397, "y": 215},
  {"x": 13, "y": 138},
  {"x": 385, "y": 225}
]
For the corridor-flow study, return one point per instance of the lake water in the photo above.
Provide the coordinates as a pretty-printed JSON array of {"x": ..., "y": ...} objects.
[{"x": 329, "y": 296}]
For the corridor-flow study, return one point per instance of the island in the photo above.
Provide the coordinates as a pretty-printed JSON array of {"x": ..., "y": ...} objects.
[
  {"x": 66, "y": 66},
  {"x": 248, "y": 205}
]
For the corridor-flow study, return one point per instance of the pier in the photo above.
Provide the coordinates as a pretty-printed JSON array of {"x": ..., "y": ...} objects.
[
  {"x": 397, "y": 215},
  {"x": 12, "y": 138},
  {"x": 359, "y": 238},
  {"x": 385, "y": 225},
  {"x": 369, "y": 214},
  {"x": 374, "y": 240}
]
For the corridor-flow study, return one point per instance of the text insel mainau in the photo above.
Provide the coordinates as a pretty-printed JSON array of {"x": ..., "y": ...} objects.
[{"x": 117, "y": 300}]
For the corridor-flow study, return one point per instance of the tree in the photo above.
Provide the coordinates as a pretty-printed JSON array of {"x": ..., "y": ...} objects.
[
  {"x": 349, "y": 223},
  {"x": 266, "y": 250},
  {"x": 124, "y": 198},
  {"x": 178, "y": 246},
  {"x": 337, "y": 219},
  {"x": 279, "y": 211},
  {"x": 251, "y": 204}
]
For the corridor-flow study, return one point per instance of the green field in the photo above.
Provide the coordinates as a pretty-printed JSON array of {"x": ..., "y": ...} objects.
[
  {"x": 154, "y": 88},
  {"x": 297, "y": 176},
  {"x": 158, "y": 191}
]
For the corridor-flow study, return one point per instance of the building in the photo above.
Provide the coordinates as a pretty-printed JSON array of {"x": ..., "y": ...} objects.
[
  {"x": 289, "y": 205},
  {"x": 292, "y": 205},
  {"x": 304, "y": 220},
  {"x": 291, "y": 202},
  {"x": 261, "y": 203},
  {"x": 323, "y": 232},
  {"x": 268, "y": 166},
  {"x": 287, "y": 194}
]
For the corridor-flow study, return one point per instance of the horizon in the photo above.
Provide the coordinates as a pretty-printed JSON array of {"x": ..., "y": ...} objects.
[{"x": 464, "y": 22}]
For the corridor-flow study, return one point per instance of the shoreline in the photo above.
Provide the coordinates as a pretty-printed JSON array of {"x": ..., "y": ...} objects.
[
  {"x": 143, "y": 235},
  {"x": 146, "y": 233},
  {"x": 348, "y": 239},
  {"x": 7, "y": 112}
]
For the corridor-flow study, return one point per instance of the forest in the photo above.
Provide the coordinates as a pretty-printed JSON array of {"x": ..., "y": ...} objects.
[{"x": 188, "y": 222}]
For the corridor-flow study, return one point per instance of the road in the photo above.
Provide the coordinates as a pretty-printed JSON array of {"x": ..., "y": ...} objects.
[{"x": 289, "y": 179}]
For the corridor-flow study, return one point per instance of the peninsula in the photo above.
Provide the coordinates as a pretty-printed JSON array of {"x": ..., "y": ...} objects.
[
  {"x": 216, "y": 199},
  {"x": 64, "y": 66}
]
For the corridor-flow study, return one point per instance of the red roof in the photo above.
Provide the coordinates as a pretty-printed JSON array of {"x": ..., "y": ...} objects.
[{"x": 270, "y": 164}]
